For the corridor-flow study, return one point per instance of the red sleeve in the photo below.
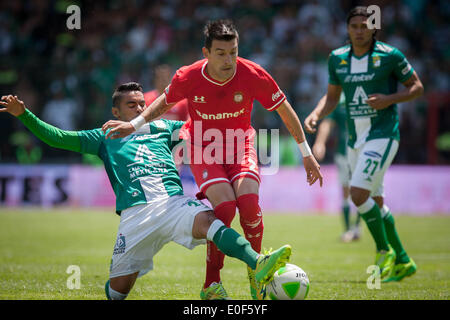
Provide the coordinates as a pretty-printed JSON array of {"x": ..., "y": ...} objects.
[
  {"x": 183, "y": 110},
  {"x": 267, "y": 91},
  {"x": 177, "y": 89},
  {"x": 179, "y": 111}
]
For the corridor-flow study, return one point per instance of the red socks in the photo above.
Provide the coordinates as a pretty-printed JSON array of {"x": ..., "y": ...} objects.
[
  {"x": 251, "y": 222},
  {"x": 251, "y": 219},
  {"x": 214, "y": 257}
]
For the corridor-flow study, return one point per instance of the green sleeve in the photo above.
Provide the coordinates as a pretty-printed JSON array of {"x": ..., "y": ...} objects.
[
  {"x": 332, "y": 77},
  {"x": 402, "y": 69},
  {"x": 175, "y": 125},
  {"x": 91, "y": 140},
  {"x": 49, "y": 134},
  {"x": 87, "y": 141}
]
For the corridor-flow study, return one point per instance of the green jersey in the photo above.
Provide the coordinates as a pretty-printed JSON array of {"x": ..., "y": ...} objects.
[
  {"x": 140, "y": 166},
  {"x": 339, "y": 116},
  {"x": 378, "y": 71}
]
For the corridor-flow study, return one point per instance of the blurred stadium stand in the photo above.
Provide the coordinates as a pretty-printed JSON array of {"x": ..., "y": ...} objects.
[{"x": 67, "y": 76}]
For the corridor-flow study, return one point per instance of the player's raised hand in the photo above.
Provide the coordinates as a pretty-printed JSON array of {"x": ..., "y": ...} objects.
[
  {"x": 12, "y": 105},
  {"x": 119, "y": 129},
  {"x": 312, "y": 169},
  {"x": 311, "y": 123}
]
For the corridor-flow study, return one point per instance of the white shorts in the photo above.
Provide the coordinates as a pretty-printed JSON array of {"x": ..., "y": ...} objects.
[
  {"x": 369, "y": 162},
  {"x": 343, "y": 169},
  {"x": 145, "y": 229}
]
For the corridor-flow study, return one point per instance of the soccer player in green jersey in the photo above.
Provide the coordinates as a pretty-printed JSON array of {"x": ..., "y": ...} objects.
[
  {"x": 149, "y": 195},
  {"x": 337, "y": 120},
  {"x": 367, "y": 71}
]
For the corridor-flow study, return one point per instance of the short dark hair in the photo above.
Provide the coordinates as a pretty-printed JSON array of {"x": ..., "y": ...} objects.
[
  {"x": 219, "y": 30},
  {"x": 124, "y": 87},
  {"x": 360, "y": 11},
  {"x": 357, "y": 11}
]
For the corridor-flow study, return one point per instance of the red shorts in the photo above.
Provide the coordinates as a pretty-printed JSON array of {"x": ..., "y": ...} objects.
[{"x": 211, "y": 165}]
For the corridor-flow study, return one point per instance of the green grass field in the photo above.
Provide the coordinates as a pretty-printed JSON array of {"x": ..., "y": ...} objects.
[{"x": 37, "y": 246}]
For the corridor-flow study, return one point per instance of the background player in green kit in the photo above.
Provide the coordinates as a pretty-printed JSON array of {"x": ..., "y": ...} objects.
[
  {"x": 149, "y": 195},
  {"x": 367, "y": 71},
  {"x": 337, "y": 121}
]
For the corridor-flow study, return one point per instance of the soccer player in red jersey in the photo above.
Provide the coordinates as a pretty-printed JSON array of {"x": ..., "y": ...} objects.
[
  {"x": 220, "y": 91},
  {"x": 161, "y": 79}
]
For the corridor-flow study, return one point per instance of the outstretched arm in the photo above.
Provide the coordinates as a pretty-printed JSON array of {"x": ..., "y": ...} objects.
[
  {"x": 54, "y": 137},
  {"x": 294, "y": 126},
  {"x": 121, "y": 129}
]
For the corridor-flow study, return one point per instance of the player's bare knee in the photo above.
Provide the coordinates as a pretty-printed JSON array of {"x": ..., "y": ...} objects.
[
  {"x": 123, "y": 289},
  {"x": 245, "y": 186},
  {"x": 211, "y": 217},
  {"x": 219, "y": 193},
  {"x": 379, "y": 201},
  {"x": 123, "y": 284},
  {"x": 346, "y": 191},
  {"x": 201, "y": 225},
  {"x": 359, "y": 196}
]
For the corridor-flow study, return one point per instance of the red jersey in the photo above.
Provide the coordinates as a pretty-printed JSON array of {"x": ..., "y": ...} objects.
[
  {"x": 177, "y": 112},
  {"x": 222, "y": 105}
]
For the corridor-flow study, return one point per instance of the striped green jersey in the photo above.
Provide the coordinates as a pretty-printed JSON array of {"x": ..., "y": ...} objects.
[
  {"x": 140, "y": 167},
  {"x": 378, "y": 71}
]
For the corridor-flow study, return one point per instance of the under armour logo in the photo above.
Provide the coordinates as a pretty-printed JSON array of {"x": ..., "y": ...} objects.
[
  {"x": 250, "y": 236},
  {"x": 253, "y": 224},
  {"x": 200, "y": 99}
]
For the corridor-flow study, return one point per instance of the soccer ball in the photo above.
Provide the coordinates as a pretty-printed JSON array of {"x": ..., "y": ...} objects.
[{"x": 289, "y": 283}]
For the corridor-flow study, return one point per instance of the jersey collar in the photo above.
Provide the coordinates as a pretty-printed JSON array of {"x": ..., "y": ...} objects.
[{"x": 207, "y": 77}]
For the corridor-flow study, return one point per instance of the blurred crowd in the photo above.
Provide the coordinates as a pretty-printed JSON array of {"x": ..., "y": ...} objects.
[{"x": 66, "y": 77}]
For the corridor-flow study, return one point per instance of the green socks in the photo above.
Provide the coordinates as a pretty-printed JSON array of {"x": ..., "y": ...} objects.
[
  {"x": 358, "y": 219},
  {"x": 346, "y": 214},
  {"x": 381, "y": 225},
  {"x": 370, "y": 212},
  {"x": 234, "y": 245},
  {"x": 393, "y": 238}
]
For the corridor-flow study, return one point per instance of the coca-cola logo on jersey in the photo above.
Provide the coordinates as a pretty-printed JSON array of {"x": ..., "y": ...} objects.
[{"x": 276, "y": 95}]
